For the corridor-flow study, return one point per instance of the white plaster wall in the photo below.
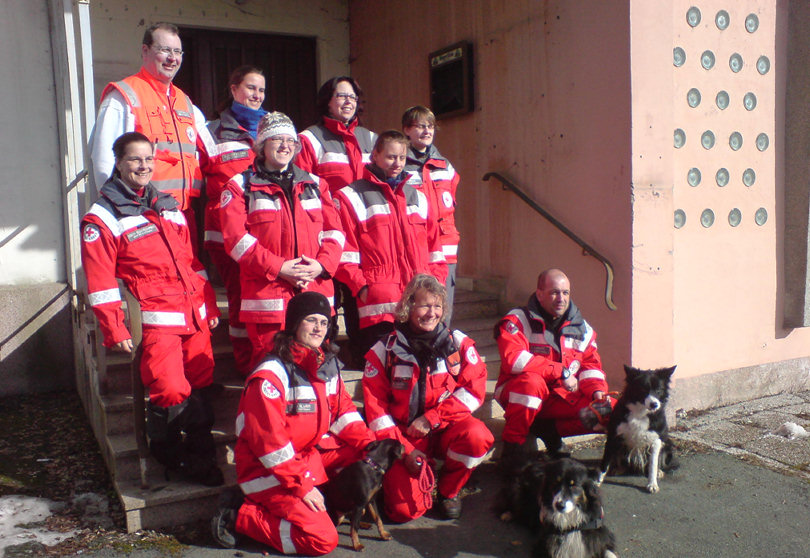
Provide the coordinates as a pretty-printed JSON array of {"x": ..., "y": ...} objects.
[
  {"x": 31, "y": 232},
  {"x": 118, "y": 28}
]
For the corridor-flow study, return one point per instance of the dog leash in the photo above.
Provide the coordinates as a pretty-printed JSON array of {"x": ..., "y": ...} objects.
[
  {"x": 601, "y": 407},
  {"x": 426, "y": 483}
]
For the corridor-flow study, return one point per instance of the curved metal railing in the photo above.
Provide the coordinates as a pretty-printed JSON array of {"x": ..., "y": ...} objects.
[{"x": 587, "y": 249}]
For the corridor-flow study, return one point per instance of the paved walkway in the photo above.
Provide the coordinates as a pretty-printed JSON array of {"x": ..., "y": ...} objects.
[{"x": 739, "y": 492}]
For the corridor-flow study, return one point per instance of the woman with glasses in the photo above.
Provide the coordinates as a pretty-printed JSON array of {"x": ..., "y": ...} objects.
[
  {"x": 279, "y": 225},
  {"x": 439, "y": 181},
  {"x": 229, "y": 152},
  {"x": 297, "y": 426},
  {"x": 337, "y": 147}
]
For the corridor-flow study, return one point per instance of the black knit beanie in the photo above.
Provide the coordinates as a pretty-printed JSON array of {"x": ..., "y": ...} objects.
[{"x": 302, "y": 305}]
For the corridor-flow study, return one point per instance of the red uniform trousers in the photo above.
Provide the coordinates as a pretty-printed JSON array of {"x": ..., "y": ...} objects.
[
  {"x": 261, "y": 337},
  {"x": 228, "y": 270},
  {"x": 278, "y": 519},
  {"x": 172, "y": 365},
  {"x": 463, "y": 445},
  {"x": 527, "y": 396}
]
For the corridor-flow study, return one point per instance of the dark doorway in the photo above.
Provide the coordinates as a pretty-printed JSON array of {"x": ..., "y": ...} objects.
[{"x": 288, "y": 62}]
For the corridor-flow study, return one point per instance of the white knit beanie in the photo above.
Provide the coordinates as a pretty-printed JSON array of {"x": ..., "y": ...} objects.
[{"x": 274, "y": 124}]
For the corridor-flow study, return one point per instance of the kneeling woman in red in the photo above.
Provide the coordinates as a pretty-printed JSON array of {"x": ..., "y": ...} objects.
[
  {"x": 421, "y": 385},
  {"x": 296, "y": 426}
]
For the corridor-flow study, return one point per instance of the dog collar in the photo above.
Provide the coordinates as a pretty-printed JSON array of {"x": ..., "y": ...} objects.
[{"x": 373, "y": 464}]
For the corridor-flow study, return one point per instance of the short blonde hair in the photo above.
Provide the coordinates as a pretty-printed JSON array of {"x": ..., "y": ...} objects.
[{"x": 420, "y": 281}]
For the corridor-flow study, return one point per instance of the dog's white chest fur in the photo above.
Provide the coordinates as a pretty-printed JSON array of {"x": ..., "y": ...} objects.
[
  {"x": 635, "y": 430},
  {"x": 571, "y": 546}
]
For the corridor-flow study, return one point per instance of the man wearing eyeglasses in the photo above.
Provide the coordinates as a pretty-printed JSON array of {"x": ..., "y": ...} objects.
[{"x": 148, "y": 102}]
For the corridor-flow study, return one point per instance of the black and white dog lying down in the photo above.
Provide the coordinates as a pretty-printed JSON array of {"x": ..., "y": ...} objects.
[
  {"x": 561, "y": 500},
  {"x": 637, "y": 437}
]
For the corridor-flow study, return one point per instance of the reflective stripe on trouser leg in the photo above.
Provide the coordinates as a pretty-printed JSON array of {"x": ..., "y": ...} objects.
[
  {"x": 522, "y": 397},
  {"x": 464, "y": 444}
]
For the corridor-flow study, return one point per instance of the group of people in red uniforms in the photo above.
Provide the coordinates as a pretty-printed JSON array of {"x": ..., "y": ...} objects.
[{"x": 292, "y": 223}]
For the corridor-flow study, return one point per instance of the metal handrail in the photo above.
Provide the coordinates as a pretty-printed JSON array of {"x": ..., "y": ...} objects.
[{"x": 586, "y": 248}]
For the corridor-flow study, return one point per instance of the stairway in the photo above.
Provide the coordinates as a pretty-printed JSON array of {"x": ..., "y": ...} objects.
[{"x": 106, "y": 390}]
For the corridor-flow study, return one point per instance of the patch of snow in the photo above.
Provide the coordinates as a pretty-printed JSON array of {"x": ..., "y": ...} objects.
[
  {"x": 30, "y": 512},
  {"x": 791, "y": 431}
]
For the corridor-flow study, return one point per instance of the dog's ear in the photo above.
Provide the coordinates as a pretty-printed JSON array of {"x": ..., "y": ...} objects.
[
  {"x": 399, "y": 451},
  {"x": 666, "y": 373},
  {"x": 372, "y": 445},
  {"x": 631, "y": 372}
]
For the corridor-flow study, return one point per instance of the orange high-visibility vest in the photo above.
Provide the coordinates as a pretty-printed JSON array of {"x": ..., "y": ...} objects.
[{"x": 168, "y": 122}]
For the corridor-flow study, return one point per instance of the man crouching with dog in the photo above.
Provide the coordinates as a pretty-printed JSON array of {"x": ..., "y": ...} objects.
[
  {"x": 297, "y": 425},
  {"x": 551, "y": 382}
]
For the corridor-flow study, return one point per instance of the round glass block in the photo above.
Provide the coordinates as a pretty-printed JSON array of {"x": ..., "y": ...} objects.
[
  {"x": 707, "y": 218},
  {"x": 750, "y": 101},
  {"x": 751, "y": 23},
  {"x": 707, "y": 59},
  {"x": 707, "y": 139},
  {"x": 680, "y": 138},
  {"x": 678, "y": 57},
  {"x": 735, "y": 141},
  {"x": 749, "y": 177},
  {"x": 721, "y": 177},
  {"x": 763, "y": 65},
  {"x": 721, "y": 19},
  {"x": 734, "y": 217},
  {"x": 693, "y": 16},
  {"x": 693, "y": 176},
  {"x": 693, "y": 97},
  {"x": 762, "y": 141},
  {"x": 680, "y": 218},
  {"x": 722, "y": 100},
  {"x": 735, "y": 62},
  {"x": 761, "y": 216}
]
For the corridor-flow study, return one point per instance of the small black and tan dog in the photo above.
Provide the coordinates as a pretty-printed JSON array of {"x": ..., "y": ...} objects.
[
  {"x": 637, "y": 436},
  {"x": 561, "y": 500},
  {"x": 354, "y": 488}
]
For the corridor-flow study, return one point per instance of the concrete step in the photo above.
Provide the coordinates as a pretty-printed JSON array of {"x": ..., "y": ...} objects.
[{"x": 470, "y": 304}]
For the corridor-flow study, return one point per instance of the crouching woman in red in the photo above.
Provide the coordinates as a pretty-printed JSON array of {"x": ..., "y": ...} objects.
[
  {"x": 137, "y": 234},
  {"x": 421, "y": 385},
  {"x": 296, "y": 426}
]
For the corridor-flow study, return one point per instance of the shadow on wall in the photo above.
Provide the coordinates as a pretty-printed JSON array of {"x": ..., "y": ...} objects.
[{"x": 36, "y": 346}]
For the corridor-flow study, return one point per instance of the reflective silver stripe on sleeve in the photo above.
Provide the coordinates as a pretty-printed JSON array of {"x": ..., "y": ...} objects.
[
  {"x": 422, "y": 208},
  {"x": 259, "y": 484},
  {"x": 344, "y": 421},
  {"x": 467, "y": 398},
  {"x": 521, "y": 361},
  {"x": 450, "y": 249},
  {"x": 437, "y": 256},
  {"x": 591, "y": 375},
  {"x": 381, "y": 423},
  {"x": 242, "y": 246},
  {"x": 240, "y": 423},
  {"x": 377, "y": 309},
  {"x": 278, "y": 371},
  {"x": 278, "y": 457},
  {"x": 311, "y": 203},
  {"x": 442, "y": 174},
  {"x": 153, "y": 317},
  {"x": 332, "y": 157},
  {"x": 350, "y": 257},
  {"x": 262, "y": 305},
  {"x": 203, "y": 312},
  {"x": 333, "y": 234},
  {"x": 105, "y": 296},
  {"x": 174, "y": 216},
  {"x": 316, "y": 145},
  {"x": 264, "y": 204}
]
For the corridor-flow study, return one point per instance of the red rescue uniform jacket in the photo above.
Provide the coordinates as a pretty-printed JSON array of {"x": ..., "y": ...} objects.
[
  {"x": 439, "y": 180},
  {"x": 528, "y": 346},
  {"x": 228, "y": 153},
  {"x": 396, "y": 390},
  {"x": 288, "y": 410},
  {"x": 145, "y": 242},
  {"x": 336, "y": 152},
  {"x": 391, "y": 236},
  {"x": 262, "y": 227}
]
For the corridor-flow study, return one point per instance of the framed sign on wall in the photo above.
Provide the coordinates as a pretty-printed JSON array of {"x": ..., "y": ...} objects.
[{"x": 451, "y": 80}]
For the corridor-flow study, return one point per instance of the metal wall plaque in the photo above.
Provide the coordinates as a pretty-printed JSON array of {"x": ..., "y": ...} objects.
[{"x": 451, "y": 80}]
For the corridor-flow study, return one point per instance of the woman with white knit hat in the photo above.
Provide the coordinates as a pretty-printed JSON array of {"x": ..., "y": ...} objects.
[{"x": 279, "y": 225}]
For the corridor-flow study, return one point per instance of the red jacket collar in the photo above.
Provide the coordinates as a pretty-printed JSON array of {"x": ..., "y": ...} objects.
[
  {"x": 337, "y": 127},
  {"x": 156, "y": 84}
]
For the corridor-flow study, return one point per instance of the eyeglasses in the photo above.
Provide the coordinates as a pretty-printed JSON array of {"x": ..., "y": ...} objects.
[
  {"x": 312, "y": 320},
  {"x": 423, "y": 127},
  {"x": 169, "y": 51},
  {"x": 346, "y": 97},
  {"x": 289, "y": 142}
]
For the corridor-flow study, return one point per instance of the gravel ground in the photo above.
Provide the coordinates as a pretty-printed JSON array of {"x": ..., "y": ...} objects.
[{"x": 47, "y": 450}]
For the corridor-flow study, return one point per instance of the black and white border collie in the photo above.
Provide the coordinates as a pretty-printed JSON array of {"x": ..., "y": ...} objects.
[
  {"x": 571, "y": 515},
  {"x": 637, "y": 437}
]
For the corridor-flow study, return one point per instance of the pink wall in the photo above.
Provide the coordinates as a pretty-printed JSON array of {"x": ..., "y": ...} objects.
[{"x": 552, "y": 111}]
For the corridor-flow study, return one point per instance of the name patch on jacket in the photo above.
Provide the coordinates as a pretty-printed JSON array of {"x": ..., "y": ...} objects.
[
  {"x": 541, "y": 350},
  {"x": 300, "y": 407},
  {"x": 241, "y": 154},
  {"x": 151, "y": 228}
]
